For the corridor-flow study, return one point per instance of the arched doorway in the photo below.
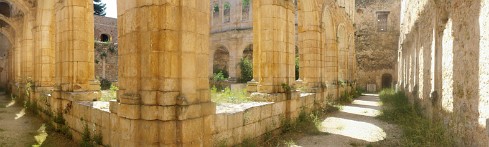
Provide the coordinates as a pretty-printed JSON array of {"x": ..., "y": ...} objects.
[
  {"x": 386, "y": 81},
  {"x": 221, "y": 60},
  {"x": 246, "y": 65}
]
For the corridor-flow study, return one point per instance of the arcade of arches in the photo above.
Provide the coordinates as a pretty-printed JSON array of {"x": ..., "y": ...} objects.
[{"x": 47, "y": 57}]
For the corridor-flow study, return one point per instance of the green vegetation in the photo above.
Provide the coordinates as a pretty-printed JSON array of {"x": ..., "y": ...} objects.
[
  {"x": 229, "y": 96},
  {"x": 110, "y": 94},
  {"x": 99, "y": 8},
  {"x": 417, "y": 130},
  {"x": 246, "y": 2},
  {"x": 105, "y": 84},
  {"x": 246, "y": 70}
]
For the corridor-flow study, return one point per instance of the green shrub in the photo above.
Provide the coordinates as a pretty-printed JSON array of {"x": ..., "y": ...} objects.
[
  {"x": 246, "y": 67},
  {"x": 296, "y": 68},
  {"x": 105, "y": 84}
]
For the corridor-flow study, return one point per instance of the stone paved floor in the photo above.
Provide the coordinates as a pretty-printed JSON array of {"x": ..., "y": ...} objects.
[
  {"x": 355, "y": 125},
  {"x": 19, "y": 128}
]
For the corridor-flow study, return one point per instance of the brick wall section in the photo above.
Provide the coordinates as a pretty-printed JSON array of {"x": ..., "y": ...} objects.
[{"x": 105, "y": 25}]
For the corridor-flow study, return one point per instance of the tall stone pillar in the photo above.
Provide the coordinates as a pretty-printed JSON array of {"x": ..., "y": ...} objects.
[
  {"x": 27, "y": 68},
  {"x": 163, "y": 76},
  {"x": 273, "y": 44},
  {"x": 309, "y": 32},
  {"x": 75, "y": 71},
  {"x": 44, "y": 42}
]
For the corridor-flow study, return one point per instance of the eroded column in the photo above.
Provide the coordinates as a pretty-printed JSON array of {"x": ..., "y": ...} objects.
[
  {"x": 163, "y": 73},
  {"x": 274, "y": 46},
  {"x": 74, "y": 50}
]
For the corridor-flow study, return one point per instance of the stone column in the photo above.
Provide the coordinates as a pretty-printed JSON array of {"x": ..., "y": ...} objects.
[
  {"x": 273, "y": 44},
  {"x": 44, "y": 42},
  {"x": 164, "y": 94},
  {"x": 74, "y": 50},
  {"x": 309, "y": 32},
  {"x": 27, "y": 45}
]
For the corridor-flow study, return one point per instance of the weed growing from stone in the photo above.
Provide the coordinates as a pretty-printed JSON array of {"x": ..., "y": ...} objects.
[{"x": 417, "y": 130}]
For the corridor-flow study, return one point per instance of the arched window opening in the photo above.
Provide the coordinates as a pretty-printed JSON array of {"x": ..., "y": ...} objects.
[
  {"x": 215, "y": 10},
  {"x": 105, "y": 38},
  {"x": 246, "y": 65},
  {"x": 227, "y": 12},
  {"x": 386, "y": 81},
  {"x": 246, "y": 10},
  {"x": 297, "y": 74},
  {"x": 221, "y": 60},
  {"x": 5, "y": 9}
]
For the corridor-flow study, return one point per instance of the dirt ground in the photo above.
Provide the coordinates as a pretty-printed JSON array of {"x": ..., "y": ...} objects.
[
  {"x": 19, "y": 128},
  {"x": 354, "y": 125}
]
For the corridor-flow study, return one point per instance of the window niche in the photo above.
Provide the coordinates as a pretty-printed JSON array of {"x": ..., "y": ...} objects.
[{"x": 382, "y": 17}]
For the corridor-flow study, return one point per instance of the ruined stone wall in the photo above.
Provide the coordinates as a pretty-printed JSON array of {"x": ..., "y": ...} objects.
[
  {"x": 376, "y": 50},
  {"x": 442, "y": 64},
  {"x": 106, "y": 63}
]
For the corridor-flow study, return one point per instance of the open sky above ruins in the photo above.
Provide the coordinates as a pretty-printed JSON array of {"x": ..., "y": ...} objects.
[{"x": 111, "y": 8}]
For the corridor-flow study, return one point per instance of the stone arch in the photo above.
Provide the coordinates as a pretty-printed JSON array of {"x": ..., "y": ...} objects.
[
  {"x": 329, "y": 46},
  {"x": 105, "y": 38},
  {"x": 342, "y": 40},
  {"x": 226, "y": 12},
  {"x": 221, "y": 60},
  {"x": 248, "y": 52},
  {"x": 386, "y": 80}
]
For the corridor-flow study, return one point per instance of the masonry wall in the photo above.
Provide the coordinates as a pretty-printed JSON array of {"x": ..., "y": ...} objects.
[
  {"x": 442, "y": 64},
  {"x": 233, "y": 36},
  {"x": 105, "y": 25},
  {"x": 376, "y": 50}
]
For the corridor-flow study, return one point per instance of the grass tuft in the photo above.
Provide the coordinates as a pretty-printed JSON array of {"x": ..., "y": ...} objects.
[
  {"x": 417, "y": 130},
  {"x": 229, "y": 96}
]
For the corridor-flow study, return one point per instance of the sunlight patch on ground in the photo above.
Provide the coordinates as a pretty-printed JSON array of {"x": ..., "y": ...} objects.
[
  {"x": 10, "y": 104},
  {"x": 41, "y": 136},
  {"x": 354, "y": 129},
  {"x": 20, "y": 114},
  {"x": 370, "y": 94},
  {"x": 366, "y": 103},
  {"x": 360, "y": 111}
]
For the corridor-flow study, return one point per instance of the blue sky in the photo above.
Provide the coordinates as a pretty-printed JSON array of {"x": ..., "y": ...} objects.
[{"x": 111, "y": 8}]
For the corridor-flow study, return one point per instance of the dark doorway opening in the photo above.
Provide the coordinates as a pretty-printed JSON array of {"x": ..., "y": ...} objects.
[{"x": 386, "y": 81}]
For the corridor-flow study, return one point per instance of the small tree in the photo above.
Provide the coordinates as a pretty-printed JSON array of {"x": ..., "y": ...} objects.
[
  {"x": 246, "y": 70},
  {"x": 99, "y": 7}
]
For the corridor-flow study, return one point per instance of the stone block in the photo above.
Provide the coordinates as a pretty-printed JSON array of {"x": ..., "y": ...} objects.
[
  {"x": 149, "y": 132},
  {"x": 192, "y": 130},
  {"x": 96, "y": 115},
  {"x": 220, "y": 123},
  {"x": 224, "y": 138},
  {"x": 167, "y": 98},
  {"x": 113, "y": 106},
  {"x": 208, "y": 108},
  {"x": 189, "y": 111},
  {"x": 149, "y": 112},
  {"x": 249, "y": 131},
  {"x": 148, "y": 97},
  {"x": 167, "y": 132},
  {"x": 266, "y": 111},
  {"x": 237, "y": 135},
  {"x": 252, "y": 115},
  {"x": 129, "y": 129},
  {"x": 166, "y": 113},
  {"x": 130, "y": 111},
  {"x": 235, "y": 120},
  {"x": 278, "y": 108},
  {"x": 209, "y": 124}
]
